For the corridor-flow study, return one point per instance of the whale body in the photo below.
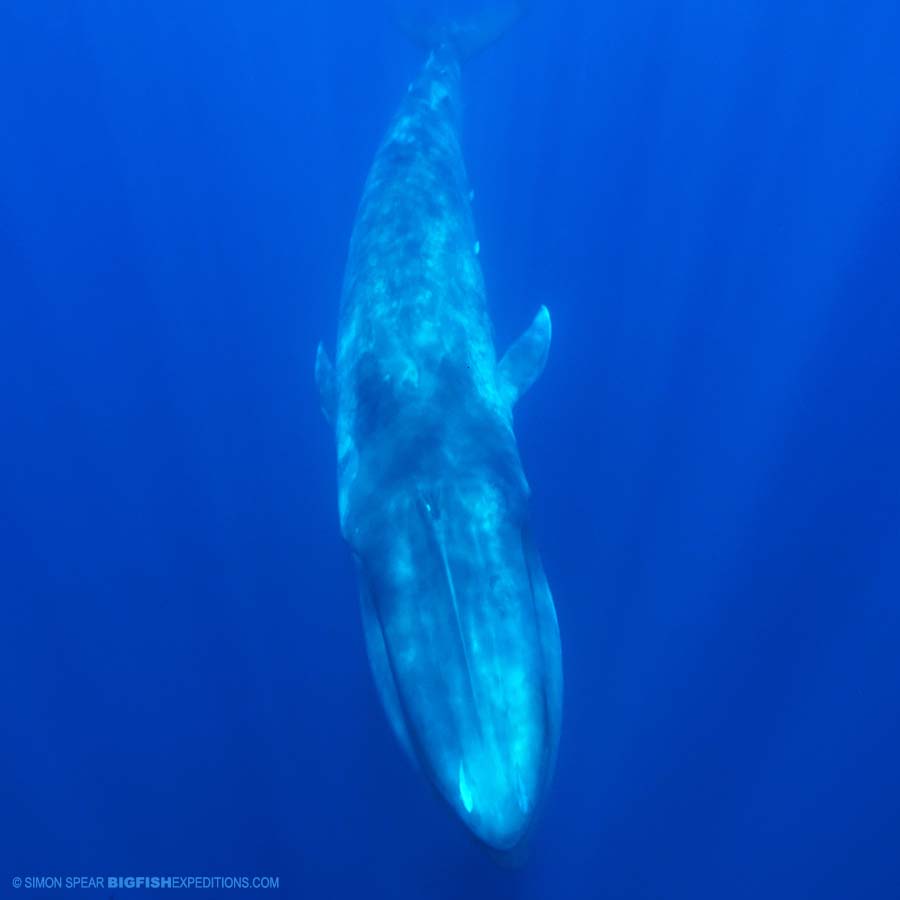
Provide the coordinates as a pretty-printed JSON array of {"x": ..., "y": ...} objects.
[{"x": 460, "y": 626}]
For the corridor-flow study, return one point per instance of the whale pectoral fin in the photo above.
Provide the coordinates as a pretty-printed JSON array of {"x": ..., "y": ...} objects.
[
  {"x": 524, "y": 361},
  {"x": 326, "y": 383}
]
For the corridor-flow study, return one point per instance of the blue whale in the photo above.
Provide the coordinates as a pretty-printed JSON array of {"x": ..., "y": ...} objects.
[{"x": 459, "y": 622}]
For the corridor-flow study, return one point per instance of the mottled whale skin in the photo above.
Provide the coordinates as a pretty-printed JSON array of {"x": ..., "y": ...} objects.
[{"x": 459, "y": 621}]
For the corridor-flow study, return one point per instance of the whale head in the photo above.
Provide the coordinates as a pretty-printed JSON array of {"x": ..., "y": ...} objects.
[{"x": 463, "y": 638}]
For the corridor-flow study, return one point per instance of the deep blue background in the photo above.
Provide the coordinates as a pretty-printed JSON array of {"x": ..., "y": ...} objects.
[{"x": 706, "y": 195}]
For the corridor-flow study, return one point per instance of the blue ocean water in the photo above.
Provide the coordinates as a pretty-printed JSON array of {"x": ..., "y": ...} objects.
[{"x": 707, "y": 197}]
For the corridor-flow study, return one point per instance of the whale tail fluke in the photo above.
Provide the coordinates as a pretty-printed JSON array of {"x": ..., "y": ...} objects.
[{"x": 469, "y": 35}]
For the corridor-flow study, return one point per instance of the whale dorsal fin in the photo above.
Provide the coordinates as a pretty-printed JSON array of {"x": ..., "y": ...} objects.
[
  {"x": 524, "y": 361},
  {"x": 326, "y": 383}
]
